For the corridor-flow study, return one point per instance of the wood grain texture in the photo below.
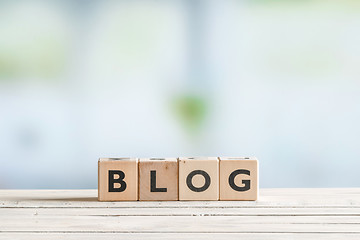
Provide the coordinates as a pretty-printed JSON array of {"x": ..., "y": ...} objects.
[
  {"x": 238, "y": 178},
  {"x": 200, "y": 236},
  {"x": 126, "y": 166},
  {"x": 164, "y": 183},
  {"x": 277, "y": 214},
  {"x": 200, "y": 173}
]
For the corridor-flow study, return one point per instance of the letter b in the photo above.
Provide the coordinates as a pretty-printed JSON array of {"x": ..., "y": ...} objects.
[
  {"x": 118, "y": 179},
  {"x": 113, "y": 180}
]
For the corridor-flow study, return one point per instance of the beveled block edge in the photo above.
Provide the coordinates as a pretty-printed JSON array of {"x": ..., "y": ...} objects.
[
  {"x": 155, "y": 159},
  {"x": 197, "y": 158}
]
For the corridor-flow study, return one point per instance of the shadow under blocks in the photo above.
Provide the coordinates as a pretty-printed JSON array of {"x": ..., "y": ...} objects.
[{"x": 183, "y": 178}]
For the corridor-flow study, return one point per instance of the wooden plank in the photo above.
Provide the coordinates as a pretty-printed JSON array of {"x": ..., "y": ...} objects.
[
  {"x": 174, "y": 224},
  {"x": 278, "y": 214},
  {"x": 114, "y": 212},
  {"x": 221, "y": 236},
  {"x": 273, "y": 198}
]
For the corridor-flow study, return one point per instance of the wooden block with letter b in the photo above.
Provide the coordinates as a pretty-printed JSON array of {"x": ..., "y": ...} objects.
[
  {"x": 199, "y": 178},
  {"x": 238, "y": 178},
  {"x": 118, "y": 179},
  {"x": 158, "y": 179}
]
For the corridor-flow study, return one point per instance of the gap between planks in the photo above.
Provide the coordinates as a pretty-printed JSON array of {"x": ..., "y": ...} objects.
[
  {"x": 207, "y": 236},
  {"x": 179, "y": 212}
]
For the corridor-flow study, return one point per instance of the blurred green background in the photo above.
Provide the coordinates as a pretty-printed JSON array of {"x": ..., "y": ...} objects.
[{"x": 275, "y": 79}]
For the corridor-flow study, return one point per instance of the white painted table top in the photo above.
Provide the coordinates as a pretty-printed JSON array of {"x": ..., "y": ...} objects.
[{"x": 278, "y": 214}]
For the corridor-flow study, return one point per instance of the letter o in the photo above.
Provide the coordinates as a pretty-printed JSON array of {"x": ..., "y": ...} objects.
[{"x": 196, "y": 189}]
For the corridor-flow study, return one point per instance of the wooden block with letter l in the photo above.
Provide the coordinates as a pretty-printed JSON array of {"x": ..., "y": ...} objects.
[
  {"x": 158, "y": 179},
  {"x": 118, "y": 179},
  {"x": 238, "y": 178},
  {"x": 199, "y": 178}
]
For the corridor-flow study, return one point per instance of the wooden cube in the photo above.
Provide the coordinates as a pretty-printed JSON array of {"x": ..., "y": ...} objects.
[
  {"x": 238, "y": 178},
  {"x": 158, "y": 179},
  {"x": 118, "y": 179},
  {"x": 199, "y": 178}
]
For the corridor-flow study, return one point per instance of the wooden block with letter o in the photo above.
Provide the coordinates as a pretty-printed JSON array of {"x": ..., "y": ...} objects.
[
  {"x": 238, "y": 178},
  {"x": 199, "y": 178},
  {"x": 158, "y": 179},
  {"x": 118, "y": 179}
]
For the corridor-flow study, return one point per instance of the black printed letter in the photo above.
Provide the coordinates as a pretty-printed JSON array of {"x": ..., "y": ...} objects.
[
  {"x": 113, "y": 180},
  {"x": 200, "y": 189},
  {"x": 245, "y": 182},
  {"x": 153, "y": 183}
]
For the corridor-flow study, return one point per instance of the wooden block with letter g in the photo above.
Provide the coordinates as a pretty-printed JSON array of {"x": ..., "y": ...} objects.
[
  {"x": 199, "y": 178},
  {"x": 238, "y": 178},
  {"x": 118, "y": 179},
  {"x": 158, "y": 179}
]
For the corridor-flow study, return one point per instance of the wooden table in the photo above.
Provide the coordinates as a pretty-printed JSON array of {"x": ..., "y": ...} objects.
[{"x": 278, "y": 214}]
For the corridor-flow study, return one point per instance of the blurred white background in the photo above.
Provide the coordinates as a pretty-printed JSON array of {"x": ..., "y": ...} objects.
[{"x": 275, "y": 79}]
